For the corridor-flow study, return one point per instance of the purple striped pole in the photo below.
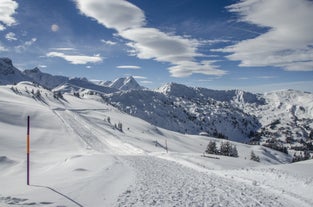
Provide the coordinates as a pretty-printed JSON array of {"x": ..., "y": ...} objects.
[{"x": 28, "y": 150}]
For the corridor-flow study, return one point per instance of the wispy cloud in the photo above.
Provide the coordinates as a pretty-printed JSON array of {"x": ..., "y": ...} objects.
[
  {"x": 139, "y": 77},
  {"x": 7, "y": 10},
  {"x": 76, "y": 59},
  {"x": 11, "y": 36},
  {"x": 63, "y": 49},
  {"x": 135, "y": 67},
  {"x": 242, "y": 78},
  {"x": 108, "y": 42},
  {"x": 266, "y": 77},
  {"x": 2, "y": 48},
  {"x": 149, "y": 43},
  {"x": 42, "y": 66},
  {"x": 287, "y": 44},
  {"x": 25, "y": 45},
  {"x": 114, "y": 14}
]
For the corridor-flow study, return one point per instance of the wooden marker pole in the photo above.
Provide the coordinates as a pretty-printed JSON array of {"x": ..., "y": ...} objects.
[{"x": 28, "y": 149}]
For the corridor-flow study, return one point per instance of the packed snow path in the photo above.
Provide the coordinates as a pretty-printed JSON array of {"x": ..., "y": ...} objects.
[{"x": 165, "y": 183}]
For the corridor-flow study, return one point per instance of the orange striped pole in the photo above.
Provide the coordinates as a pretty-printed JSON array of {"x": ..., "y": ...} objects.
[{"x": 28, "y": 149}]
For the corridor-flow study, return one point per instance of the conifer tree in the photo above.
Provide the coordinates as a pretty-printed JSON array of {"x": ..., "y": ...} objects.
[
  {"x": 254, "y": 157},
  {"x": 211, "y": 148},
  {"x": 234, "y": 152}
]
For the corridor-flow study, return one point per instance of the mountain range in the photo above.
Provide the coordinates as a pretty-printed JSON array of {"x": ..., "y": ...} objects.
[{"x": 283, "y": 117}]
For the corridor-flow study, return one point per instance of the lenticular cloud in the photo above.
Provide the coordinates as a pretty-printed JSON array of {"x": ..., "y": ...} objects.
[
  {"x": 148, "y": 43},
  {"x": 288, "y": 42}
]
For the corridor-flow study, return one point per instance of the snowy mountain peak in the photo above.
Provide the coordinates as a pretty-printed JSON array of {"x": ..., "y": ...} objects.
[
  {"x": 8, "y": 61},
  {"x": 10, "y": 74},
  {"x": 128, "y": 83},
  {"x": 176, "y": 89}
]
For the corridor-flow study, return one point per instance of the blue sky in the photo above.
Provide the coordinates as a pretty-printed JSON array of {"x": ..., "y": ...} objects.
[{"x": 253, "y": 45}]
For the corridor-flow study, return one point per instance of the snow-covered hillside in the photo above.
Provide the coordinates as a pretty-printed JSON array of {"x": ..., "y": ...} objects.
[
  {"x": 79, "y": 157},
  {"x": 187, "y": 112}
]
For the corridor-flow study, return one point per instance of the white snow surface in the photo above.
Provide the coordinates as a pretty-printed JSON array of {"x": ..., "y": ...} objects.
[{"x": 78, "y": 158}]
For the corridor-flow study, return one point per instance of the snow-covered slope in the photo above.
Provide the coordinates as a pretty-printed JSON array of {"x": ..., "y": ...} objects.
[
  {"x": 190, "y": 110},
  {"x": 45, "y": 79},
  {"x": 79, "y": 158},
  {"x": 10, "y": 74},
  {"x": 287, "y": 117}
]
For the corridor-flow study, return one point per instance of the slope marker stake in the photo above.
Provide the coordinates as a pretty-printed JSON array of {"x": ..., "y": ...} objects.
[{"x": 28, "y": 148}]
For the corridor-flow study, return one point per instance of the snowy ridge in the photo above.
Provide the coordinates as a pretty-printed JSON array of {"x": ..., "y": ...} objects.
[
  {"x": 45, "y": 79},
  {"x": 238, "y": 96},
  {"x": 190, "y": 113}
]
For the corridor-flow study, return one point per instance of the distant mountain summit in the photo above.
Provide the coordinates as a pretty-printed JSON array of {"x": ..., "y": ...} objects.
[
  {"x": 125, "y": 84},
  {"x": 10, "y": 74}
]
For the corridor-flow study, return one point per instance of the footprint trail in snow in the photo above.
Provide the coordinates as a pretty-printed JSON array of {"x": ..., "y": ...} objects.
[{"x": 165, "y": 183}]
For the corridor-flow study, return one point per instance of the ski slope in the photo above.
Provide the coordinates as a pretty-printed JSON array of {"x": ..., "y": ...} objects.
[{"x": 78, "y": 158}]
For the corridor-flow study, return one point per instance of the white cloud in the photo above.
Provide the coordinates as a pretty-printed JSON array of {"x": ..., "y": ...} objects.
[
  {"x": 76, "y": 59},
  {"x": 25, "y": 45},
  {"x": 108, "y": 42},
  {"x": 186, "y": 68},
  {"x": 148, "y": 43},
  {"x": 114, "y": 14},
  {"x": 63, "y": 49},
  {"x": 42, "y": 66},
  {"x": 287, "y": 44},
  {"x": 266, "y": 77},
  {"x": 11, "y": 36},
  {"x": 2, "y": 27},
  {"x": 7, "y": 10},
  {"x": 139, "y": 77},
  {"x": 128, "y": 67}
]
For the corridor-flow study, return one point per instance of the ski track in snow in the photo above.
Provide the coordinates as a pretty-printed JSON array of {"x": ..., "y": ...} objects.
[
  {"x": 165, "y": 183},
  {"x": 92, "y": 136},
  {"x": 75, "y": 124}
]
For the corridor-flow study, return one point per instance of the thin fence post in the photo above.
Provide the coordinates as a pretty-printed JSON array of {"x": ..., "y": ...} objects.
[{"x": 28, "y": 147}]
